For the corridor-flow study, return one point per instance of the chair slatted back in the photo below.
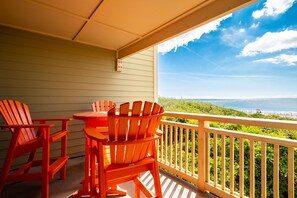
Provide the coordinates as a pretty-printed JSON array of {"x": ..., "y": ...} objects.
[
  {"x": 140, "y": 123},
  {"x": 16, "y": 113},
  {"x": 102, "y": 105}
]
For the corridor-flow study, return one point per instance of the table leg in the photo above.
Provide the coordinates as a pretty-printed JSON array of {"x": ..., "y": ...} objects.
[{"x": 86, "y": 181}]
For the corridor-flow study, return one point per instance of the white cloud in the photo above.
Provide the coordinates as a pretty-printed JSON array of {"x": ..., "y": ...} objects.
[
  {"x": 234, "y": 37},
  {"x": 190, "y": 36},
  {"x": 273, "y": 8},
  {"x": 241, "y": 30},
  {"x": 271, "y": 42},
  {"x": 255, "y": 25},
  {"x": 290, "y": 60},
  {"x": 196, "y": 76}
]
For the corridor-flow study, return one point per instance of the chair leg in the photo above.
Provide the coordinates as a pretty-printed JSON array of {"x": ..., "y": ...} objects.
[
  {"x": 31, "y": 157},
  {"x": 92, "y": 181},
  {"x": 101, "y": 177},
  {"x": 45, "y": 186},
  {"x": 63, "y": 154},
  {"x": 63, "y": 172},
  {"x": 4, "y": 172},
  {"x": 45, "y": 165},
  {"x": 137, "y": 190},
  {"x": 8, "y": 159},
  {"x": 158, "y": 188}
]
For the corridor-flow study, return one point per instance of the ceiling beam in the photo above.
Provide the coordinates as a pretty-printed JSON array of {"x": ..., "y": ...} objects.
[{"x": 206, "y": 14}]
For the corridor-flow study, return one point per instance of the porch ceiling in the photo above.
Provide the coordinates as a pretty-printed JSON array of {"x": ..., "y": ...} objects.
[{"x": 126, "y": 26}]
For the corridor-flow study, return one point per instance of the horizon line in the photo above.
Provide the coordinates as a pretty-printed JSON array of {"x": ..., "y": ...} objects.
[{"x": 226, "y": 98}]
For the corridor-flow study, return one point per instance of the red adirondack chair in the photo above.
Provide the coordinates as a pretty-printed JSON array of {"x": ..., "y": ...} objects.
[
  {"x": 26, "y": 138},
  {"x": 127, "y": 150},
  {"x": 103, "y": 105}
]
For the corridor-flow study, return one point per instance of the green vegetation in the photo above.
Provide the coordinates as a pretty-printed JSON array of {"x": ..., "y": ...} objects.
[
  {"x": 197, "y": 107},
  {"x": 188, "y": 106}
]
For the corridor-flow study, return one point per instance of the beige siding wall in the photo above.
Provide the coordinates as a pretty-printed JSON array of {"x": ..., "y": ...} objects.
[{"x": 57, "y": 78}]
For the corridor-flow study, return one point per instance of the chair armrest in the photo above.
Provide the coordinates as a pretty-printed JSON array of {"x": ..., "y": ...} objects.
[
  {"x": 17, "y": 127},
  {"x": 159, "y": 132},
  {"x": 98, "y": 134},
  {"x": 26, "y": 126},
  {"x": 51, "y": 119},
  {"x": 64, "y": 121},
  {"x": 57, "y": 135}
]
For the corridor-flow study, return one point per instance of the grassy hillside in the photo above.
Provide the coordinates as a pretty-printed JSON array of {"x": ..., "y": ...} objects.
[
  {"x": 197, "y": 107},
  {"x": 188, "y": 106},
  {"x": 178, "y": 105}
]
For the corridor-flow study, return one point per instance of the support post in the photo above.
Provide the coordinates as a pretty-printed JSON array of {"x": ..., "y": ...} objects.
[{"x": 202, "y": 157}]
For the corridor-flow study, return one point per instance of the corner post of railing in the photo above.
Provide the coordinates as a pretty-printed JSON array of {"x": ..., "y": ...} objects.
[{"x": 202, "y": 154}]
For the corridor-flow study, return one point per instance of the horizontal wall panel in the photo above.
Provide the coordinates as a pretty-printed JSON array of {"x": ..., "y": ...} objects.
[
  {"x": 99, "y": 65},
  {"x": 139, "y": 62},
  {"x": 30, "y": 100},
  {"x": 131, "y": 65},
  {"x": 58, "y": 78},
  {"x": 71, "y": 74},
  {"x": 7, "y": 81},
  {"x": 36, "y": 84},
  {"x": 19, "y": 92}
]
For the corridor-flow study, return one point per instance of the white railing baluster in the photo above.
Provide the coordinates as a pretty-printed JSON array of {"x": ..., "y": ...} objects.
[
  {"x": 215, "y": 159},
  {"x": 170, "y": 145},
  {"x": 162, "y": 145},
  {"x": 276, "y": 172},
  {"x": 166, "y": 144},
  {"x": 252, "y": 169},
  {"x": 181, "y": 148},
  {"x": 232, "y": 165},
  {"x": 223, "y": 162},
  {"x": 241, "y": 167},
  {"x": 187, "y": 150},
  {"x": 263, "y": 170},
  {"x": 193, "y": 153},
  {"x": 207, "y": 157},
  {"x": 175, "y": 146}
]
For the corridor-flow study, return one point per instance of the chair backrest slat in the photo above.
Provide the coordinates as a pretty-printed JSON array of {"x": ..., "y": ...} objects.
[
  {"x": 143, "y": 125},
  {"x": 6, "y": 112},
  {"x": 102, "y": 105},
  {"x": 121, "y": 134},
  {"x": 27, "y": 117},
  {"x": 123, "y": 123},
  {"x": 136, "y": 111},
  {"x": 136, "y": 124},
  {"x": 19, "y": 112},
  {"x": 16, "y": 113}
]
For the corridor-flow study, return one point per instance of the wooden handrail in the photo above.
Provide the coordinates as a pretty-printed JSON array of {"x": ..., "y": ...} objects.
[
  {"x": 178, "y": 136},
  {"x": 269, "y": 123}
]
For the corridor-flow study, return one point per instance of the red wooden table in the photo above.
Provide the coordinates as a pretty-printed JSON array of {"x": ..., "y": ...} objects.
[{"x": 91, "y": 119}]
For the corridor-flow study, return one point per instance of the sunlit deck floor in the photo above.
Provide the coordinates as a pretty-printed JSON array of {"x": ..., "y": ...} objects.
[{"x": 171, "y": 186}]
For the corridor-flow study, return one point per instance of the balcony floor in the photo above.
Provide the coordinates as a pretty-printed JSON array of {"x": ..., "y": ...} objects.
[{"x": 171, "y": 186}]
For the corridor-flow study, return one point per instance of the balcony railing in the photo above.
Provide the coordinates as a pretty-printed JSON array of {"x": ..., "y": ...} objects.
[{"x": 229, "y": 163}]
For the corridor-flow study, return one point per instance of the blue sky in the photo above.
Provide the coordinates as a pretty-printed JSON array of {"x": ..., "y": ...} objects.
[{"x": 251, "y": 53}]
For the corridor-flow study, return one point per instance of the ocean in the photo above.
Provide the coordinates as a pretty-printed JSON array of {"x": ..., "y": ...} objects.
[{"x": 281, "y": 105}]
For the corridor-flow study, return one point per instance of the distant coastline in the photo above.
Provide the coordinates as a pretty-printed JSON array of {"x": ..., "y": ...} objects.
[
  {"x": 285, "y": 107},
  {"x": 279, "y": 113}
]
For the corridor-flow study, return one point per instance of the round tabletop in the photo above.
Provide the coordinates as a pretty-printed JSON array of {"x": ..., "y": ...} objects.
[{"x": 87, "y": 115}]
